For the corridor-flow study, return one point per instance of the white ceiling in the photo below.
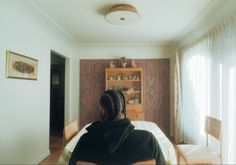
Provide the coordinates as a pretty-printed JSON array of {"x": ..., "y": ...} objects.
[{"x": 162, "y": 21}]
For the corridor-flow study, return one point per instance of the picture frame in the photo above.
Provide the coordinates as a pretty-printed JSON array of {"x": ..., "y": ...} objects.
[{"x": 21, "y": 67}]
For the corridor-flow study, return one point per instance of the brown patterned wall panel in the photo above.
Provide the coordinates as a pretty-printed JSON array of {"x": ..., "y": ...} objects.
[
  {"x": 163, "y": 93},
  {"x": 86, "y": 90},
  {"x": 99, "y": 85},
  {"x": 150, "y": 85},
  {"x": 156, "y": 89}
]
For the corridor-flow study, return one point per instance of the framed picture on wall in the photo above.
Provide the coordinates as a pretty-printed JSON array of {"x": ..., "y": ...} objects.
[{"x": 20, "y": 66}]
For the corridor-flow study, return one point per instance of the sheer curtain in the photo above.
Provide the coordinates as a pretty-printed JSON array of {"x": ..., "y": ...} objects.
[
  {"x": 177, "y": 99},
  {"x": 208, "y": 83},
  {"x": 195, "y": 70}
]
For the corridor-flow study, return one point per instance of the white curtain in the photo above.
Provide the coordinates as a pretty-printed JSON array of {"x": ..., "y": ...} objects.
[
  {"x": 195, "y": 92},
  {"x": 177, "y": 100},
  {"x": 208, "y": 82}
]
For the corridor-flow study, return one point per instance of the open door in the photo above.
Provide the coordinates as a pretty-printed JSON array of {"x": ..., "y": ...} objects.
[{"x": 57, "y": 100}]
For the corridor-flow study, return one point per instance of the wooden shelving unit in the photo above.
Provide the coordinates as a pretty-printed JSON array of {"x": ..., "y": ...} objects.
[{"x": 130, "y": 82}]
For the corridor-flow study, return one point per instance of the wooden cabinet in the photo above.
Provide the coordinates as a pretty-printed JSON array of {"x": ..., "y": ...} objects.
[{"x": 130, "y": 82}]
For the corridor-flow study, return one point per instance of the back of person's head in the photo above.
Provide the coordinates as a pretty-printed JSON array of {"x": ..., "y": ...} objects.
[{"x": 113, "y": 103}]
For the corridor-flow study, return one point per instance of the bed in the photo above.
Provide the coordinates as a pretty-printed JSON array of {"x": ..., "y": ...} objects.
[{"x": 166, "y": 146}]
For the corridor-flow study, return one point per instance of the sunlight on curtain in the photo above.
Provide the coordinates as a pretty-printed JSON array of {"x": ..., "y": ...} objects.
[
  {"x": 208, "y": 83},
  {"x": 232, "y": 108},
  {"x": 223, "y": 89},
  {"x": 220, "y": 91},
  {"x": 195, "y": 88}
]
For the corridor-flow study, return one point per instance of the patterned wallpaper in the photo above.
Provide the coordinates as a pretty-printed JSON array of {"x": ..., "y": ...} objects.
[{"x": 156, "y": 89}]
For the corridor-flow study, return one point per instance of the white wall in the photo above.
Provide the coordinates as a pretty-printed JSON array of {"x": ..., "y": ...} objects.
[
  {"x": 117, "y": 50},
  {"x": 132, "y": 51},
  {"x": 24, "y": 104}
]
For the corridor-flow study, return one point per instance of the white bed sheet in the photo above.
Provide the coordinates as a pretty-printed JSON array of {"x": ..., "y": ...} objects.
[{"x": 165, "y": 144}]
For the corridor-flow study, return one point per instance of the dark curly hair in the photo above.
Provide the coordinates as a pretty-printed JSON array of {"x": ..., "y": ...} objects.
[{"x": 113, "y": 102}]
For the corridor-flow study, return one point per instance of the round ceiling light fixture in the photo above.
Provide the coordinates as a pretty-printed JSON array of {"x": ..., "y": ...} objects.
[{"x": 122, "y": 14}]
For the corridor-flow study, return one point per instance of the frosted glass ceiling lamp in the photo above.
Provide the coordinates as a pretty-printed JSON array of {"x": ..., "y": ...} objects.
[{"x": 122, "y": 15}]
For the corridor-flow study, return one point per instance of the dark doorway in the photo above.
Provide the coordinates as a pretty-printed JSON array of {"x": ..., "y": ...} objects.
[{"x": 57, "y": 99}]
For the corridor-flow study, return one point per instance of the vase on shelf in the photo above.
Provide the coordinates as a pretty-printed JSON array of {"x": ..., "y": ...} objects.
[{"x": 123, "y": 62}]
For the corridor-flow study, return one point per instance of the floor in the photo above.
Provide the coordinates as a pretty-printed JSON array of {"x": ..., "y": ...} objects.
[{"x": 56, "y": 146}]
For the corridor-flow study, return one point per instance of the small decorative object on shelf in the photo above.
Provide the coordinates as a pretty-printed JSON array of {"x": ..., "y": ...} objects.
[
  {"x": 111, "y": 78},
  {"x": 112, "y": 65},
  {"x": 123, "y": 62},
  {"x": 118, "y": 77},
  {"x": 134, "y": 101},
  {"x": 131, "y": 89},
  {"x": 133, "y": 64},
  {"x": 131, "y": 101},
  {"x": 124, "y": 77},
  {"x": 110, "y": 87}
]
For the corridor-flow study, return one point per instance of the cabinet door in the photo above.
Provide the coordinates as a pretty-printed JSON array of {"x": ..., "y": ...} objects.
[
  {"x": 135, "y": 112},
  {"x": 132, "y": 114}
]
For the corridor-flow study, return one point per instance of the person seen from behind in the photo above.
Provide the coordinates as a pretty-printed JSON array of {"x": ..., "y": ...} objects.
[{"x": 114, "y": 140}]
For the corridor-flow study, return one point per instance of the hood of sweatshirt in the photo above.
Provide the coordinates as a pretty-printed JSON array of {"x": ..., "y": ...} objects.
[{"x": 112, "y": 133}]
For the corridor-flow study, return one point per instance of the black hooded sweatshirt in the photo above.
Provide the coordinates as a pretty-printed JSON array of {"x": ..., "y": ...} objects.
[{"x": 116, "y": 143}]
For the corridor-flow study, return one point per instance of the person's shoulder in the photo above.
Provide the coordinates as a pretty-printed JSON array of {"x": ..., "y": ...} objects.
[
  {"x": 142, "y": 138},
  {"x": 142, "y": 134},
  {"x": 94, "y": 125},
  {"x": 83, "y": 137}
]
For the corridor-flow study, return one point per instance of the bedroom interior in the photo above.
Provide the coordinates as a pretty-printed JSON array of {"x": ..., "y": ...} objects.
[{"x": 183, "y": 54}]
